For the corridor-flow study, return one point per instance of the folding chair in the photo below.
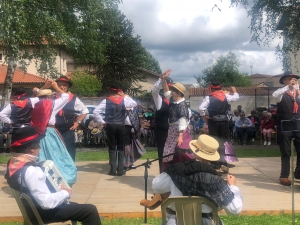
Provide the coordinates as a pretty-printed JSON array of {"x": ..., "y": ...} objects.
[
  {"x": 189, "y": 210},
  {"x": 26, "y": 218}
]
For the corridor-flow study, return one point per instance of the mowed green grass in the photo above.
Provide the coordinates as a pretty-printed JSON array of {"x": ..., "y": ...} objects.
[
  {"x": 228, "y": 220},
  {"x": 261, "y": 151}
]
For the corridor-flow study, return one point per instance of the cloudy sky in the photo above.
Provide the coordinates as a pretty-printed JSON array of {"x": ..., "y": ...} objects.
[{"x": 187, "y": 36}]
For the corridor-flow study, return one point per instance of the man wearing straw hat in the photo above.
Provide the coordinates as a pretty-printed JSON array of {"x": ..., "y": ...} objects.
[
  {"x": 216, "y": 104},
  {"x": 66, "y": 123},
  {"x": 198, "y": 178},
  {"x": 113, "y": 108},
  {"x": 288, "y": 109}
]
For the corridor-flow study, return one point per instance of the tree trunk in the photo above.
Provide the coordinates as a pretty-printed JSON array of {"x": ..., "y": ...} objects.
[{"x": 8, "y": 82}]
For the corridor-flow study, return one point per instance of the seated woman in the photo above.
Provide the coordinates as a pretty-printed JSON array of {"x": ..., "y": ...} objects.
[
  {"x": 268, "y": 126},
  {"x": 197, "y": 178},
  {"x": 96, "y": 129}
]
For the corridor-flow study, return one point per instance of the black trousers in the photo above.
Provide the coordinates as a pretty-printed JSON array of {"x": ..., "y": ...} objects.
[
  {"x": 220, "y": 131},
  {"x": 161, "y": 137},
  {"x": 87, "y": 214},
  {"x": 69, "y": 139},
  {"x": 115, "y": 134},
  {"x": 284, "y": 141}
]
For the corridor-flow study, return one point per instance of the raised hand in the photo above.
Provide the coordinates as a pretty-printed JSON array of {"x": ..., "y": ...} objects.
[{"x": 165, "y": 74}]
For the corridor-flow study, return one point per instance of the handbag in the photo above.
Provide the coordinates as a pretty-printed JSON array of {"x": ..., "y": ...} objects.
[
  {"x": 138, "y": 148},
  {"x": 220, "y": 118}
]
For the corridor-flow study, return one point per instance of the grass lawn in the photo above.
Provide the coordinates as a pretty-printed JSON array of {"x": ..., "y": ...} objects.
[
  {"x": 227, "y": 220},
  {"x": 251, "y": 152}
]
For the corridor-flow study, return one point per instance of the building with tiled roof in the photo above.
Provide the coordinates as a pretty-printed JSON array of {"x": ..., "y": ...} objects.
[
  {"x": 27, "y": 80},
  {"x": 269, "y": 80}
]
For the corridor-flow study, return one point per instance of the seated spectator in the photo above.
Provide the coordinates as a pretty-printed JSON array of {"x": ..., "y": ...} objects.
[
  {"x": 239, "y": 108},
  {"x": 263, "y": 116},
  {"x": 5, "y": 137},
  {"x": 96, "y": 129},
  {"x": 234, "y": 117},
  {"x": 268, "y": 126},
  {"x": 52, "y": 207},
  {"x": 197, "y": 123},
  {"x": 243, "y": 125},
  {"x": 255, "y": 122}
]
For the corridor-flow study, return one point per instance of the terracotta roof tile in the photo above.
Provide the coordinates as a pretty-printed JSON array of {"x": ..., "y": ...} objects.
[
  {"x": 20, "y": 77},
  {"x": 243, "y": 91}
]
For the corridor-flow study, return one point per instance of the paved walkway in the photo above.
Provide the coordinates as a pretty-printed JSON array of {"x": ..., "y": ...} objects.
[{"x": 120, "y": 196}]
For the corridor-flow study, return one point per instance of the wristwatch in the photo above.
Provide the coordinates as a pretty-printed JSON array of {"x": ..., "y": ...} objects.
[{"x": 78, "y": 121}]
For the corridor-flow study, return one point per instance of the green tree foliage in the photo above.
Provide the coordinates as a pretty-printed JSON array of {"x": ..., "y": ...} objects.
[
  {"x": 265, "y": 17},
  {"x": 85, "y": 84},
  {"x": 225, "y": 70}
]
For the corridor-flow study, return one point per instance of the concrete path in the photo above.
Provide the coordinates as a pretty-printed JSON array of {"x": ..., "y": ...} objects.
[{"x": 257, "y": 179}]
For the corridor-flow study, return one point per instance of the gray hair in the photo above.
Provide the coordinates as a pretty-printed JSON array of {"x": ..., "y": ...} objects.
[{"x": 268, "y": 114}]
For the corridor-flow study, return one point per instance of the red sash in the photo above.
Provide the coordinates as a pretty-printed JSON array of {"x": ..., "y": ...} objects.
[
  {"x": 219, "y": 95},
  {"x": 20, "y": 103},
  {"x": 295, "y": 106},
  {"x": 41, "y": 115}
]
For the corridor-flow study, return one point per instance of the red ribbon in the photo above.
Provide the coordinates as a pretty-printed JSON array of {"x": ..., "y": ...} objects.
[
  {"x": 211, "y": 86},
  {"x": 19, "y": 142},
  {"x": 19, "y": 96},
  {"x": 62, "y": 79},
  {"x": 295, "y": 106}
]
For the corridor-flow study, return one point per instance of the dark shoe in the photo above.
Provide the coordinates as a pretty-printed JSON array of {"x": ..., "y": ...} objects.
[
  {"x": 285, "y": 181},
  {"x": 297, "y": 173},
  {"x": 112, "y": 173},
  {"x": 120, "y": 161},
  {"x": 121, "y": 173}
]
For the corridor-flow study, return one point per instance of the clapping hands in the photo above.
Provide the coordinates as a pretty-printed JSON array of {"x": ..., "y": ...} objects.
[{"x": 165, "y": 74}]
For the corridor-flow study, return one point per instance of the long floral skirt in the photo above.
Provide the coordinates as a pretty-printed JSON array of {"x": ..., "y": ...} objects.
[{"x": 171, "y": 147}]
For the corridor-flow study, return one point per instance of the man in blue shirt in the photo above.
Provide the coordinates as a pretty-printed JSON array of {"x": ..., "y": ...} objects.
[{"x": 243, "y": 125}]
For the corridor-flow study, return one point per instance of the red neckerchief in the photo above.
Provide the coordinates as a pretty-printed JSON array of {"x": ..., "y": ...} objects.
[
  {"x": 166, "y": 101},
  {"x": 70, "y": 98},
  {"x": 219, "y": 95},
  {"x": 295, "y": 106},
  {"x": 20, "y": 103},
  {"x": 116, "y": 100}
]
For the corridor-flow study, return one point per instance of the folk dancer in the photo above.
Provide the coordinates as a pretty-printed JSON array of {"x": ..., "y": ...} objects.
[
  {"x": 65, "y": 118},
  {"x": 113, "y": 108}
]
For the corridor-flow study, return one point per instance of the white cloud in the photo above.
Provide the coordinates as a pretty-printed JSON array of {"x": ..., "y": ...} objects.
[{"x": 187, "y": 36}]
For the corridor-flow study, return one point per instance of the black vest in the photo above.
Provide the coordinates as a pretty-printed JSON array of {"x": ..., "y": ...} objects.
[
  {"x": 285, "y": 108},
  {"x": 20, "y": 116},
  {"x": 14, "y": 183},
  {"x": 216, "y": 106},
  {"x": 115, "y": 114},
  {"x": 162, "y": 116},
  {"x": 67, "y": 119},
  {"x": 177, "y": 111}
]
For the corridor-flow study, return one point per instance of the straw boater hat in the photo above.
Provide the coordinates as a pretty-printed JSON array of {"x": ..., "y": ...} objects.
[
  {"x": 288, "y": 74},
  {"x": 79, "y": 132},
  {"x": 205, "y": 147},
  {"x": 95, "y": 131},
  {"x": 44, "y": 92},
  {"x": 179, "y": 87}
]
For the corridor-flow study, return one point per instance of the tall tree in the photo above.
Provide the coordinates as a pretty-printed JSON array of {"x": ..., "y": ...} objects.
[
  {"x": 46, "y": 26},
  {"x": 270, "y": 19},
  {"x": 226, "y": 71}
]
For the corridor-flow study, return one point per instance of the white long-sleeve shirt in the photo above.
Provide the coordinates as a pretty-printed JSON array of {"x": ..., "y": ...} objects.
[
  {"x": 6, "y": 112},
  {"x": 163, "y": 184},
  {"x": 182, "y": 122},
  {"x": 279, "y": 93},
  {"x": 58, "y": 104},
  {"x": 35, "y": 180},
  {"x": 155, "y": 94},
  {"x": 204, "y": 105},
  {"x": 99, "y": 111}
]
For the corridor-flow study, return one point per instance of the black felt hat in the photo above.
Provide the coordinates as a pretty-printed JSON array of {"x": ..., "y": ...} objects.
[
  {"x": 65, "y": 79},
  {"x": 288, "y": 74},
  {"x": 25, "y": 135},
  {"x": 20, "y": 91}
]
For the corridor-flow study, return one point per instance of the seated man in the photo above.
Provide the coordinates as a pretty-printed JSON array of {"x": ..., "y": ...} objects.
[
  {"x": 255, "y": 122},
  {"x": 197, "y": 178},
  {"x": 51, "y": 206},
  {"x": 244, "y": 125},
  {"x": 197, "y": 122},
  {"x": 96, "y": 129}
]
